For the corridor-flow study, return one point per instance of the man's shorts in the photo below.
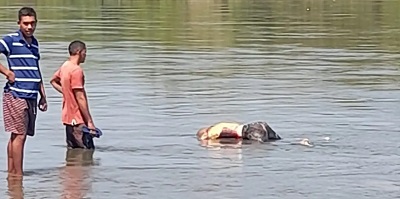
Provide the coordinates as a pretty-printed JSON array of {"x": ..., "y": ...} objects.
[
  {"x": 259, "y": 131},
  {"x": 77, "y": 139},
  {"x": 19, "y": 114}
]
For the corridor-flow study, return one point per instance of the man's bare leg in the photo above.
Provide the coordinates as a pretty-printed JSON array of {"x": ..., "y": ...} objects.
[
  {"x": 11, "y": 168},
  {"x": 18, "y": 145}
]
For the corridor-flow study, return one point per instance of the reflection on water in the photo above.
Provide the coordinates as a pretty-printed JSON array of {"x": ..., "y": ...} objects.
[
  {"x": 15, "y": 188},
  {"x": 159, "y": 70},
  {"x": 78, "y": 157},
  {"x": 76, "y": 175},
  {"x": 228, "y": 143}
]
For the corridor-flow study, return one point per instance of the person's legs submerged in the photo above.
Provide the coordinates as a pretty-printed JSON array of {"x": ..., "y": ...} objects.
[
  {"x": 18, "y": 146},
  {"x": 10, "y": 161},
  {"x": 75, "y": 137},
  {"x": 7, "y": 119},
  {"x": 18, "y": 143},
  {"x": 15, "y": 116},
  {"x": 69, "y": 137},
  {"x": 15, "y": 153}
]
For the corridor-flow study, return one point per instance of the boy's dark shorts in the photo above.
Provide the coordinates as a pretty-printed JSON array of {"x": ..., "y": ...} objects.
[{"x": 77, "y": 139}]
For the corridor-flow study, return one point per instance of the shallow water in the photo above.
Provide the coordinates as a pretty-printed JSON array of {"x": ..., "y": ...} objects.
[{"x": 157, "y": 71}]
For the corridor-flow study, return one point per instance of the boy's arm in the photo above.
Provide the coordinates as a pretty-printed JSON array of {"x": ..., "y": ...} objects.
[
  {"x": 80, "y": 96},
  {"x": 42, "y": 91},
  {"x": 56, "y": 81},
  {"x": 5, "y": 44},
  {"x": 7, "y": 73}
]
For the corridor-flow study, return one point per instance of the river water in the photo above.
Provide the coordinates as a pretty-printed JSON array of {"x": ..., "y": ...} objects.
[{"x": 159, "y": 70}]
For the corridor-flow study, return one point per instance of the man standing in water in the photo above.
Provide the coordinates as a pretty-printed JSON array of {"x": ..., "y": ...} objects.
[
  {"x": 24, "y": 83},
  {"x": 69, "y": 81}
]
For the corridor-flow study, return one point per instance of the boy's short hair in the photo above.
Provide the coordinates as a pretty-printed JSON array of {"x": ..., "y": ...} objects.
[
  {"x": 76, "y": 46},
  {"x": 26, "y": 11}
]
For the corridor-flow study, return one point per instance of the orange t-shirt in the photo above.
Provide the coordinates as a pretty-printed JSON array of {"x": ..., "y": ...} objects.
[{"x": 72, "y": 77}]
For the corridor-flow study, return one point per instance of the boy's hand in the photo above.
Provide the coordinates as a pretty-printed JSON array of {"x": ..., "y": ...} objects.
[
  {"x": 10, "y": 76},
  {"x": 92, "y": 128},
  {"x": 43, "y": 104}
]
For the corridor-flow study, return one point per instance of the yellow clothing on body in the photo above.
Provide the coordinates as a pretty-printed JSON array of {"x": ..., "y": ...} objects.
[{"x": 215, "y": 131}]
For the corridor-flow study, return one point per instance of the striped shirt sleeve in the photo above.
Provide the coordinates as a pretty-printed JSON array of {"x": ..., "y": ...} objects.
[{"x": 5, "y": 45}]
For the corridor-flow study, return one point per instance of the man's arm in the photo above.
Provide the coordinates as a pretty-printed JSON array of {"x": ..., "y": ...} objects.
[
  {"x": 80, "y": 96},
  {"x": 56, "y": 85},
  {"x": 77, "y": 81},
  {"x": 5, "y": 44},
  {"x": 56, "y": 81},
  {"x": 7, "y": 73},
  {"x": 42, "y": 92}
]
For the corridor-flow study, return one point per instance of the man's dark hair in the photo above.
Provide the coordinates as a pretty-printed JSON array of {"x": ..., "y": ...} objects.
[
  {"x": 26, "y": 11},
  {"x": 76, "y": 46}
]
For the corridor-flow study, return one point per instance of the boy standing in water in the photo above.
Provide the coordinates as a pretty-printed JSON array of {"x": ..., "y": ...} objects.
[
  {"x": 24, "y": 84},
  {"x": 69, "y": 80}
]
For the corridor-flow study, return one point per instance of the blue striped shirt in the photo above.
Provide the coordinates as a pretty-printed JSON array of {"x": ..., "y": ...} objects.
[{"x": 23, "y": 60}]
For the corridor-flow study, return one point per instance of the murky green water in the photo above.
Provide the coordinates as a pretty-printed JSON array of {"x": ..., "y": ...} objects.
[{"x": 159, "y": 70}]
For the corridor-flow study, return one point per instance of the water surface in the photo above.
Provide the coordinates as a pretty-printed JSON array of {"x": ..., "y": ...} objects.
[{"x": 159, "y": 70}]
